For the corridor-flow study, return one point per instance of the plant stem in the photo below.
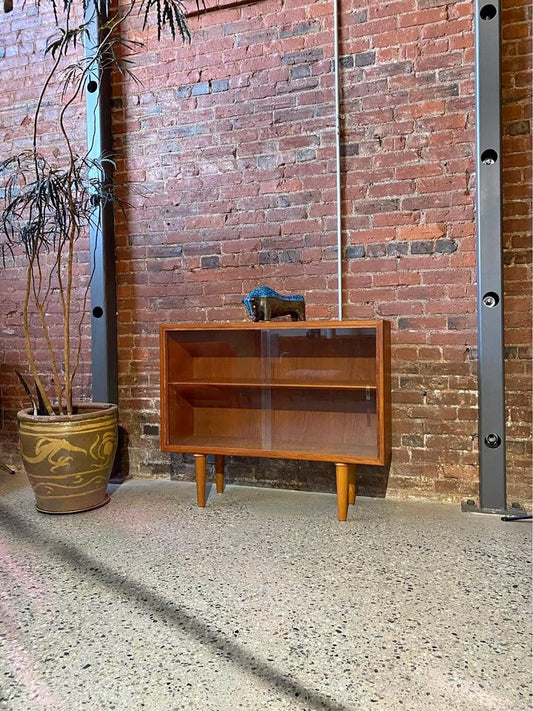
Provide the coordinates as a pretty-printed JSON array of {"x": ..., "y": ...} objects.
[{"x": 27, "y": 339}]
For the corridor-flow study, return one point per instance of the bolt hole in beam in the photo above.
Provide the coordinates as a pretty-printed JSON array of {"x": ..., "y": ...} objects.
[
  {"x": 92, "y": 86},
  {"x": 488, "y": 12},
  {"x": 489, "y": 157},
  {"x": 493, "y": 440},
  {"x": 98, "y": 312},
  {"x": 491, "y": 299}
]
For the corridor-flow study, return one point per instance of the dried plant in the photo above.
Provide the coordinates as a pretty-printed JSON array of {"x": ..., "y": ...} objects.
[{"x": 47, "y": 205}]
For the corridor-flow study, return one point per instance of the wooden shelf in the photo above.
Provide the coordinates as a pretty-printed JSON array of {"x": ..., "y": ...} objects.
[
  {"x": 242, "y": 383},
  {"x": 316, "y": 390},
  {"x": 285, "y": 449}
]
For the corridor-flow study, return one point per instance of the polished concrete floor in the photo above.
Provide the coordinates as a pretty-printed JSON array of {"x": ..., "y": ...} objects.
[{"x": 262, "y": 600}]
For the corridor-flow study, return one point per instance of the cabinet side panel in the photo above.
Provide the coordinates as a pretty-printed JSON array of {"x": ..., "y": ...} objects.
[
  {"x": 180, "y": 417},
  {"x": 383, "y": 356},
  {"x": 387, "y": 388},
  {"x": 179, "y": 359},
  {"x": 163, "y": 385}
]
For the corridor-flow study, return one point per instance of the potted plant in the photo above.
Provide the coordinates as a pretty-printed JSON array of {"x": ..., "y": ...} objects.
[{"x": 49, "y": 199}]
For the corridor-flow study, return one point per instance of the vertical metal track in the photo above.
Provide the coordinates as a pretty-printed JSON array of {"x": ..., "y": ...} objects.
[
  {"x": 489, "y": 258},
  {"x": 338, "y": 177},
  {"x": 102, "y": 238}
]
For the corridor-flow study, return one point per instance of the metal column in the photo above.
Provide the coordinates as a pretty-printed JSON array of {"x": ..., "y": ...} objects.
[
  {"x": 489, "y": 259},
  {"x": 102, "y": 238}
]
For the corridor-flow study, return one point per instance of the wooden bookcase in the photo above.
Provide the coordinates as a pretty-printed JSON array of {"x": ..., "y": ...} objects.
[{"x": 317, "y": 390}]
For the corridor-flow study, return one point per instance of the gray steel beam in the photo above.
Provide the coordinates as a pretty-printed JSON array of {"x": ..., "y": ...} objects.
[
  {"x": 489, "y": 259},
  {"x": 102, "y": 238}
]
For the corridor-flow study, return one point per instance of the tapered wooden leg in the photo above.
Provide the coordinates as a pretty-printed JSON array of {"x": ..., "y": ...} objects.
[
  {"x": 351, "y": 483},
  {"x": 200, "y": 469},
  {"x": 219, "y": 472},
  {"x": 342, "y": 490}
]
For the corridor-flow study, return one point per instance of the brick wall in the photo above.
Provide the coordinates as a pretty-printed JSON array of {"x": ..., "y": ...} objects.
[{"x": 228, "y": 163}]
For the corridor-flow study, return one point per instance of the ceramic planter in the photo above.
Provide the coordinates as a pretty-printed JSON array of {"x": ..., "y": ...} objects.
[{"x": 69, "y": 458}]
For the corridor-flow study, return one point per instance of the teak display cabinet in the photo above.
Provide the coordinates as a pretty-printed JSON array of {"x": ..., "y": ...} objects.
[{"x": 317, "y": 390}]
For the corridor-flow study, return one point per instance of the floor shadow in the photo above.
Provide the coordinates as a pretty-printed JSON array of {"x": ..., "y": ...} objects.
[
  {"x": 168, "y": 611},
  {"x": 291, "y": 474},
  {"x": 121, "y": 465}
]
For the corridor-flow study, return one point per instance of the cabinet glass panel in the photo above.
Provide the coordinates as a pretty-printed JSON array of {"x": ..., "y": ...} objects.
[
  {"x": 214, "y": 416},
  {"x": 215, "y": 356},
  {"x": 334, "y": 422},
  {"x": 275, "y": 419},
  {"x": 336, "y": 357}
]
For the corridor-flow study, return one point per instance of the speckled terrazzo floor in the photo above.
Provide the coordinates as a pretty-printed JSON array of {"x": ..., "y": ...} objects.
[{"x": 262, "y": 600}]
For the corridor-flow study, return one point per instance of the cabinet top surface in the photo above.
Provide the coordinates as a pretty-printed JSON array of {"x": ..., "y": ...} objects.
[{"x": 269, "y": 325}]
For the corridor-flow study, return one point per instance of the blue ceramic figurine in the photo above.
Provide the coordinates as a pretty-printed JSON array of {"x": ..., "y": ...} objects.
[{"x": 264, "y": 304}]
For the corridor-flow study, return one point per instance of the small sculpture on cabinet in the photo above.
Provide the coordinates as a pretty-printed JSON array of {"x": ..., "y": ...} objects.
[{"x": 264, "y": 304}]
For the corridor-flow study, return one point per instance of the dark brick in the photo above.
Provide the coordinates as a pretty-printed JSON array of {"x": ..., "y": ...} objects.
[
  {"x": 355, "y": 251},
  {"x": 518, "y": 128},
  {"x": 360, "y": 16},
  {"x": 510, "y": 352},
  {"x": 397, "y": 249},
  {"x": 291, "y": 256},
  {"x": 406, "y": 324},
  {"x": 191, "y": 130},
  {"x": 151, "y": 430},
  {"x": 202, "y": 249},
  {"x": 300, "y": 71},
  {"x": 182, "y": 92},
  {"x": 305, "y": 154},
  {"x": 164, "y": 251},
  {"x": 350, "y": 149},
  {"x": 446, "y": 246},
  {"x": 200, "y": 89},
  {"x": 396, "y": 68},
  {"x": 269, "y": 257},
  {"x": 413, "y": 440},
  {"x": 219, "y": 85},
  {"x": 364, "y": 59},
  {"x": 303, "y": 57},
  {"x": 267, "y": 161},
  {"x": 346, "y": 62},
  {"x": 422, "y": 247},
  {"x": 456, "y": 323},
  {"x": 212, "y": 262}
]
